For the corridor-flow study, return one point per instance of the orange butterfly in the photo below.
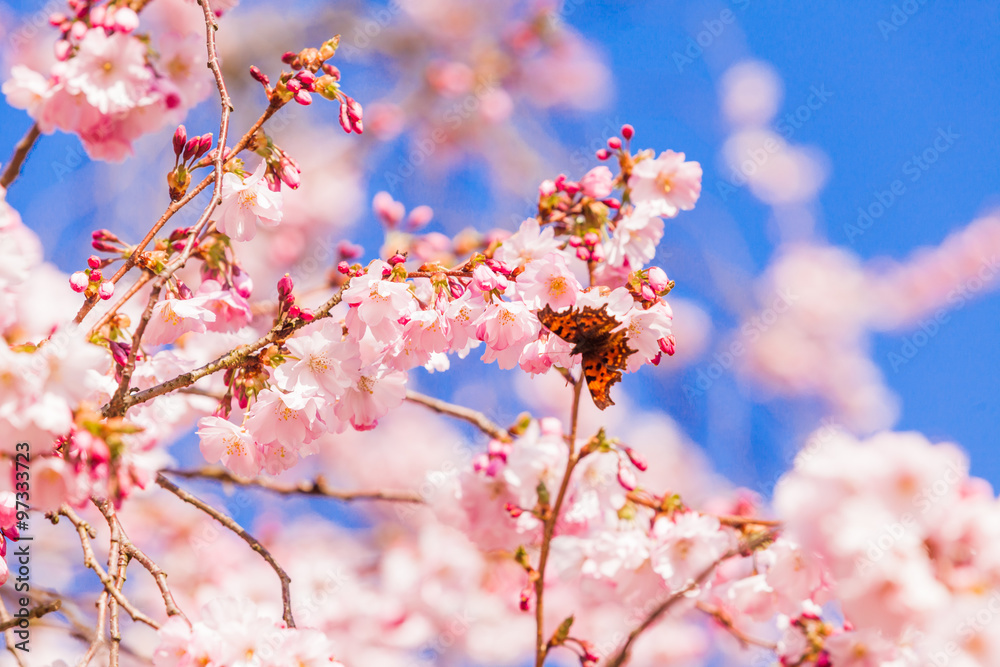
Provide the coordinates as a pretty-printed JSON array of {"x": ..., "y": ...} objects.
[{"x": 605, "y": 354}]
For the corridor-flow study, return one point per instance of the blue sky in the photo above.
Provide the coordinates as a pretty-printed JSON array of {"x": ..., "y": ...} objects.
[{"x": 894, "y": 85}]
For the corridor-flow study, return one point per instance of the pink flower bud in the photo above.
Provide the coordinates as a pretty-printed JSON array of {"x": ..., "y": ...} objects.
[
  {"x": 647, "y": 293},
  {"x": 548, "y": 187},
  {"x": 560, "y": 180},
  {"x": 307, "y": 315},
  {"x": 390, "y": 211},
  {"x": 285, "y": 286},
  {"x": 626, "y": 477},
  {"x": 628, "y": 131},
  {"x": 591, "y": 238},
  {"x": 183, "y": 291},
  {"x": 242, "y": 282},
  {"x": 583, "y": 253},
  {"x": 344, "y": 268},
  {"x": 258, "y": 75},
  {"x": 306, "y": 78},
  {"x": 303, "y": 97},
  {"x": 97, "y": 16},
  {"x": 348, "y": 250},
  {"x": 513, "y": 510},
  {"x": 571, "y": 187},
  {"x": 354, "y": 110},
  {"x": 657, "y": 278},
  {"x": 125, "y": 20},
  {"x": 294, "y": 311},
  {"x": 668, "y": 345},
  {"x": 120, "y": 352},
  {"x": 603, "y": 154},
  {"x": 191, "y": 148},
  {"x": 397, "y": 258},
  {"x": 206, "y": 144},
  {"x": 62, "y": 50},
  {"x": 575, "y": 241},
  {"x": 456, "y": 288},
  {"x": 290, "y": 173},
  {"x": 57, "y": 19},
  {"x": 597, "y": 254},
  {"x": 106, "y": 290},
  {"x": 345, "y": 122},
  {"x": 597, "y": 183},
  {"x": 611, "y": 202},
  {"x": 79, "y": 281},
  {"x": 94, "y": 262},
  {"x": 525, "y": 602},
  {"x": 79, "y": 28},
  {"x": 288, "y": 56},
  {"x": 419, "y": 217},
  {"x": 95, "y": 275},
  {"x": 180, "y": 138},
  {"x": 614, "y": 143},
  {"x": 637, "y": 459}
]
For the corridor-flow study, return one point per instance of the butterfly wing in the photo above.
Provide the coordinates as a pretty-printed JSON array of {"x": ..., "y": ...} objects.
[
  {"x": 602, "y": 368},
  {"x": 562, "y": 324}
]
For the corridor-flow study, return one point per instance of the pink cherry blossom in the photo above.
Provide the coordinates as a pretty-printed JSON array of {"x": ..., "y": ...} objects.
[
  {"x": 597, "y": 182},
  {"x": 247, "y": 202},
  {"x": 667, "y": 184},
  {"x": 548, "y": 281},
  {"x": 233, "y": 445}
]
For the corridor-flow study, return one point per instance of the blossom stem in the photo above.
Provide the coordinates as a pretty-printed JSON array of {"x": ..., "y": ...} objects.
[
  {"x": 474, "y": 417},
  {"x": 286, "y": 596},
  {"x": 318, "y": 487},
  {"x": 541, "y": 645},
  {"x": 90, "y": 560},
  {"x": 21, "y": 150}
]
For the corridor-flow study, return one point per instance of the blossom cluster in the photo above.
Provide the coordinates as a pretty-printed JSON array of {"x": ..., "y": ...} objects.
[{"x": 111, "y": 83}]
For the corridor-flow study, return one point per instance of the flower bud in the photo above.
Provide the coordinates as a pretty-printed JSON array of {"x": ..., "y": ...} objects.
[
  {"x": 668, "y": 345},
  {"x": 419, "y": 217},
  {"x": 95, "y": 275},
  {"x": 62, "y": 50},
  {"x": 106, "y": 290},
  {"x": 79, "y": 281},
  {"x": 657, "y": 278},
  {"x": 348, "y": 250},
  {"x": 258, "y": 75},
  {"x": 628, "y": 131},
  {"x": 397, "y": 258},
  {"x": 242, "y": 282},
  {"x": 637, "y": 459},
  {"x": 303, "y": 97},
  {"x": 626, "y": 477},
  {"x": 94, "y": 262},
  {"x": 125, "y": 20},
  {"x": 603, "y": 154},
  {"x": 180, "y": 138},
  {"x": 344, "y": 268},
  {"x": 548, "y": 187},
  {"x": 614, "y": 143},
  {"x": 285, "y": 286}
]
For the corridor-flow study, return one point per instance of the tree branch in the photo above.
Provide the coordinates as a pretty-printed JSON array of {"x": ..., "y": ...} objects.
[
  {"x": 318, "y": 487},
  {"x": 286, "y": 596},
  {"x": 474, "y": 417},
  {"x": 21, "y": 150}
]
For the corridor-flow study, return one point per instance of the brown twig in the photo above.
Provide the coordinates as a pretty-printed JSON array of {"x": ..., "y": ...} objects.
[
  {"x": 132, "y": 551},
  {"x": 474, "y": 417},
  {"x": 234, "y": 358},
  {"x": 8, "y": 634},
  {"x": 286, "y": 596},
  {"x": 21, "y": 150},
  {"x": 725, "y": 621},
  {"x": 318, "y": 487},
  {"x": 751, "y": 544},
  {"x": 90, "y": 560},
  {"x": 98, "y": 640},
  {"x": 541, "y": 645}
]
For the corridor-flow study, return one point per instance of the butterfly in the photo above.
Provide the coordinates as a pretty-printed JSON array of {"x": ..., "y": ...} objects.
[{"x": 605, "y": 354}]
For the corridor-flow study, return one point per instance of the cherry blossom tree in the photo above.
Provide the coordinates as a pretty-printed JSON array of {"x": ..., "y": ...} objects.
[{"x": 182, "y": 413}]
